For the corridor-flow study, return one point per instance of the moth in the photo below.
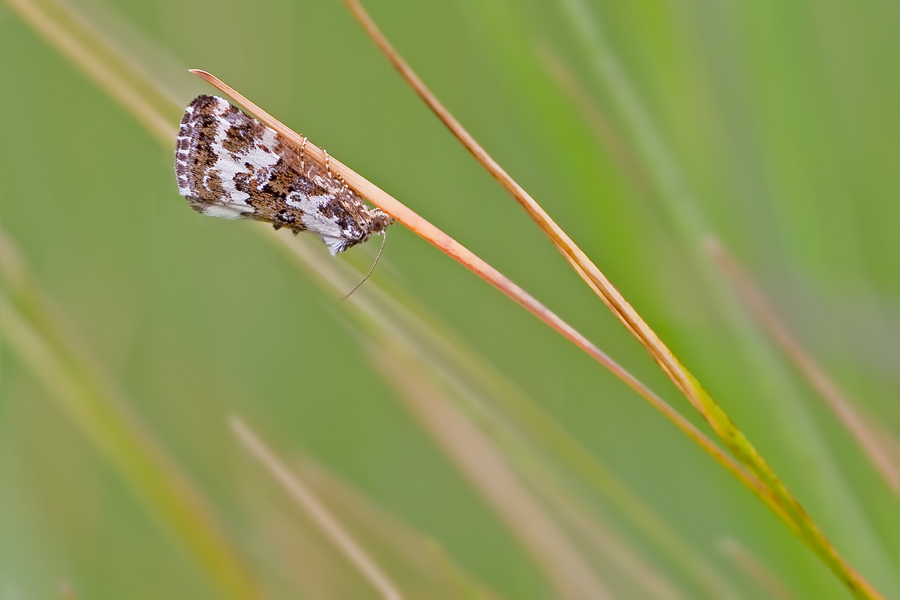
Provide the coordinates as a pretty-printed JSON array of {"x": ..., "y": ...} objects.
[{"x": 230, "y": 165}]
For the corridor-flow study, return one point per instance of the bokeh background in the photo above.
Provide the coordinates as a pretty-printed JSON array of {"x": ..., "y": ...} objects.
[{"x": 134, "y": 329}]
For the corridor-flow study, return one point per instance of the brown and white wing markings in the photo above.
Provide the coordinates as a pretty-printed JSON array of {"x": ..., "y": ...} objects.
[{"x": 230, "y": 165}]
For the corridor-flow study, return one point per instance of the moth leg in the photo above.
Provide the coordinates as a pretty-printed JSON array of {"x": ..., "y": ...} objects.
[
  {"x": 276, "y": 226},
  {"x": 327, "y": 165},
  {"x": 302, "y": 155},
  {"x": 328, "y": 170}
]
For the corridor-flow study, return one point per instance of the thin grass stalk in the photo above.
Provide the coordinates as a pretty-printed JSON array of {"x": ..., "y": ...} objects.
[
  {"x": 498, "y": 407},
  {"x": 585, "y": 267},
  {"x": 886, "y": 453},
  {"x": 100, "y": 63},
  {"x": 413, "y": 558},
  {"x": 107, "y": 72},
  {"x": 101, "y": 416},
  {"x": 352, "y": 550},
  {"x": 478, "y": 459},
  {"x": 872, "y": 439},
  {"x": 106, "y": 84},
  {"x": 472, "y": 262},
  {"x": 755, "y": 570},
  {"x": 790, "y": 510},
  {"x": 615, "y": 553},
  {"x": 68, "y": 35},
  {"x": 692, "y": 226}
]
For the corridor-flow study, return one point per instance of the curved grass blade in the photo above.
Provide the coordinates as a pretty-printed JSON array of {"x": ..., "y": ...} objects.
[
  {"x": 101, "y": 416},
  {"x": 303, "y": 496},
  {"x": 472, "y": 262},
  {"x": 876, "y": 444},
  {"x": 789, "y": 509}
]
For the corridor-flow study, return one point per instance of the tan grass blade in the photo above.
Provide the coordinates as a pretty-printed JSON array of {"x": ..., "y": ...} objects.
[
  {"x": 99, "y": 62},
  {"x": 66, "y": 591},
  {"x": 790, "y": 510},
  {"x": 472, "y": 262},
  {"x": 107, "y": 75},
  {"x": 874, "y": 441},
  {"x": 85, "y": 395},
  {"x": 755, "y": 571},
  {"x": 506, "y": 415},
  {"x": 107, "y": 78},
  {"x": 588, "y": 271},
  {"x": 413, "y": 558},
  {"x": 599, "y": 123},
  {"x": 478, "y": 459},
  {"x": 75, "y": 42},
  {"x": 303, "y": 496},
  {"x": 617, "y": 555}
]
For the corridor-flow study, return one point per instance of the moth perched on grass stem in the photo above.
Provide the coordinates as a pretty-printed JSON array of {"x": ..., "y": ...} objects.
[{"x": 230, "y": 165}]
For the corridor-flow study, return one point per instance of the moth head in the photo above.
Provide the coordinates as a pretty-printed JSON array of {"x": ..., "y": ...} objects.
[{"x": 380, "y": 220}]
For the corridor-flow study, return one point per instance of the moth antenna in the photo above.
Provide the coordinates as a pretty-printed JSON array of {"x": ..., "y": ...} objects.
[{"x": 383, "y": 240}]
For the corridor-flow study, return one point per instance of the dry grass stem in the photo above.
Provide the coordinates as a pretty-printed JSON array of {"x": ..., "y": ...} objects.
[
  {"x": 585, "y": 268},
  {"x": 63, "y": 32},
  {"x": 755, "y": 570},
  {"x": 874, "y": 441},
  {"x": 447, "y": 244},
  {"x": 602, "y": 127},
  {"x": 479, "y": 460},
  {"x": 41, "y": 349},
  {"x": 317, "y": 511},
  {"x": 103, "y": 417},
  {"x": 617, "y": 555},
  {"x": 790, "y": 510},
  {"x": 505, "y": 413}
]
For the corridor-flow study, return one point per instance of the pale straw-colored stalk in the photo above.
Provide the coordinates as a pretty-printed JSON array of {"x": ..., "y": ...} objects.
[
  {"x": 107, "y": 68},
  {"x": 876, "y": 444},
  {"x": 98, "y": 412},
  {"x": 755, "y": 570},
  {"x": 342, "y": 539},
  {"x": 472, "y": 262},
  {"x": 772, "y": 495},
  {"x": 530, "y": 440},
  {"x": 788, "y": 508},
  {"x": 479, "y": 460}
]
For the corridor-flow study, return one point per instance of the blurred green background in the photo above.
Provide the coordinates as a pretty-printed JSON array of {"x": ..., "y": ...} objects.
[{"x": 643, "y": 128}]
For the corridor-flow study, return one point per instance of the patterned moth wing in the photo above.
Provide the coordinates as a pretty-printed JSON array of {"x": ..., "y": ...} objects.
[{"x": 230, "y": 165}]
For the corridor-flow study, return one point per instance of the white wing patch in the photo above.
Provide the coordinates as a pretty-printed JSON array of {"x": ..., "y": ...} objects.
[
  {"x": 224, "y": 211},
  {"x": 335, "y": 245},
  {"x": 315, "y": 222},
  {"x": 229, "y": 164}
]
